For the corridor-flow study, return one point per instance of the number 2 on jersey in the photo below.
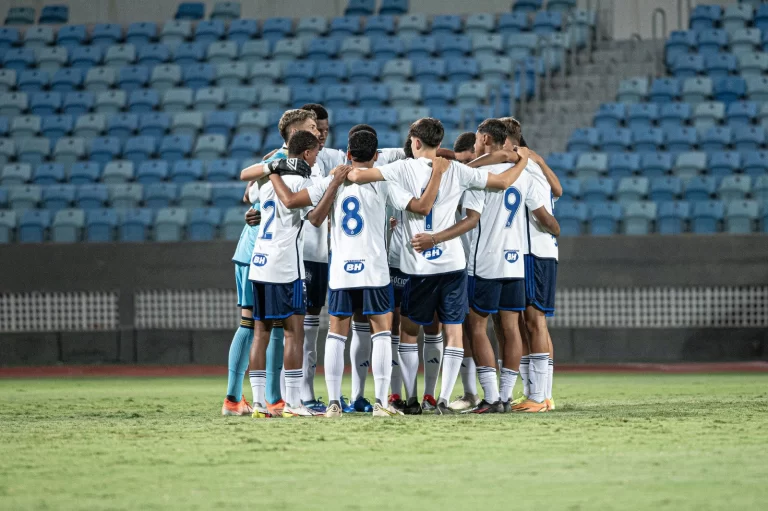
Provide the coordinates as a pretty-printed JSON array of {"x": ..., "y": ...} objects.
[
  {"x": 351, "y": 223},
  {"x": 512, "y": 203},
  {"x": 269, "y": 205}
]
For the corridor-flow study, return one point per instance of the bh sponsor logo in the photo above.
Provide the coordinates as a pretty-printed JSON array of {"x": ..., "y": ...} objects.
[
  {"x": 354, "y": 266},
  {"x": 433, "y": 253},
  {"x": 259, "y": 259},
  {"x": 511, "y": 256}
]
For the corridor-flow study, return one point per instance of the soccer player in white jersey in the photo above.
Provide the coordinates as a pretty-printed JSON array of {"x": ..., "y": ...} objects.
[
  {"x": 359, "y": 280},
  {"x": 437, "y": 277},
  {"x": 277, "y": 272},
  {"x": 496, "y": 264}
]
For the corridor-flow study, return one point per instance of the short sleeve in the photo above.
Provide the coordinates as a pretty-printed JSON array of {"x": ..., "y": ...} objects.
[
  {"x": 392, "y": 154},
  {"x": 397, "y": 197},
  {"x": 393, "y": 172},
  {"x": 317, "y": 189},
  {"x": 474, "y": 200},
  {"x": 535, "y": 198},
  {"x": 471, "y": 178},
  {"x": 253, "y": 193}
]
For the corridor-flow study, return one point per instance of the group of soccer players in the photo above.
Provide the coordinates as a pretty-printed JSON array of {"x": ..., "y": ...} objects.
[{"x": 472, "y": 235}]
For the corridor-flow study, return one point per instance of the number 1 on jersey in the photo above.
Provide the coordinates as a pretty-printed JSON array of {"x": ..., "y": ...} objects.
[
  {"x": 428, "y": 218},
  {"x": 269, "y": 205},
  {"x": 512, "y": 203}
]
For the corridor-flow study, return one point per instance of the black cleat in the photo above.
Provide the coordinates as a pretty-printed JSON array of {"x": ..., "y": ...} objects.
[
  {"x": 486, "y": 407},
  {"x": 442, "y": 409},
  {"x": 507, "y": 405},
  {"x": 411, "y": 407},
  {"x": 398, "y": 404}
]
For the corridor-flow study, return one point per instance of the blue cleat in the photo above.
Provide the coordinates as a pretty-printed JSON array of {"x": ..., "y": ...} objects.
[
  {"x": 346, "y": 406},
  {"x": 362, "y": 405},
  {"x": 316, "y": 405}
]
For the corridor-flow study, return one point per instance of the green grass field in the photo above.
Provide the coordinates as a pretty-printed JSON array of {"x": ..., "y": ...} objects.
[{"x": 617, "y": 442}]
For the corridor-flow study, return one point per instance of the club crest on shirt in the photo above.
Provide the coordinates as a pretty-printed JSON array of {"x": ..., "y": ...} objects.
[
  {"x": 511, "y": 256},
  {"x": 354, "y": 266},
  {"x": 433, "y": 253},
  {"x": 259, "y": 259}
]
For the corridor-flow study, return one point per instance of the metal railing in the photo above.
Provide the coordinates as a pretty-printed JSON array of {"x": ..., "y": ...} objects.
[
  {"x": 658, "y": 56},
  {"x": 689, "y": 8}
]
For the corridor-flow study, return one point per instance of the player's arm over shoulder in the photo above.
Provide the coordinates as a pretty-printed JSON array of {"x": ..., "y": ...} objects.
[
  {"x": 291, "y": 199},
  {"x": 332, "y": 183}
]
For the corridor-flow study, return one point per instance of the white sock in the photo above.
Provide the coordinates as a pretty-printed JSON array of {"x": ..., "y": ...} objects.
[
  {"x": 409, "y": 367},
  {"x": 293, "y": 379},
  {"x": 396, "y": 383},
  {"x": 433, "y": 356},
  {"x": 508, "y": 379},
  {"x": 258, "y": 386},
  {"x": 381, "y": 363},
  {"x": 452, "y": 363},
  {"x": 549, "y": 378},
  {"x": 311, "y": 327},
  {"x": 333, "y": 365},
  {"x": 360, "y": 356},
  {"x": 538, "y": 371},
  {"x": 487, "y": 377},
  {"x": 524, "y": 365},
  {"x": 469, "y": 376},
  {"x": 282, "y": 382}
]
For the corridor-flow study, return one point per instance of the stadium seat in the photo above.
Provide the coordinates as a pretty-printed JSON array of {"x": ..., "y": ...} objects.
[
  {"x": 24, "y": 126},
  {"x": 122, "y": 126},
  {"x": 393, "y": 7},
  {"x": 243, "y": 30},
  {"x": 14, "y": 103},
  {"x": 175, "y": 32},
  {"x": 666, "y": 188},
  {"x": 410, "y": 25},
  {"x": 150, "y": 55},
  {"x": 382, "y": 119},
  {"x": 275, "y": 97},
  {"x": 226, "y": 11},
  {"x": 160, "y": 195},
  {"x": 49, "y": 174},
  {"x": 100, "y": 225},
  {"x": 724, "y": 163},
  {"x": 647, "y": 139},
  {"x": 68, "y": 150},
  {"x": 375, "y": 95},
  {"x": 741, "y": 216},
  {"x": 68, "y": 225},
  {"x": 125, "y": 195},
  {"x": 364, "y": 71},
  {"x": 311, "y": 27},
  {"x": 719, "y": 65},
  {"x": 634, "y": 90},
  {"x": 407, "y": 116},
  {"x": 696, "y": 90},
  {"x": 700, "y": 188},
  {"x": 198, "y": 76},
  {"x": 639, "y": 217},
  {"x": 245, "y": 145},
  {"x": 78, "y": 103},
  {"x": 210, "y": 147},
  {"x": 571, "y": 216},
  {"x": 597, "y": 189},
  {"x": 9, "y": 36},
  {"x": 209, "y": 99},
  {"x": 342, "y": 96},
  {"x": 135, "y": 225},
  {"x": 273, "y": 140},
  {"x": 33, "y": 226},
  {"x": 615, "y": 140},
  {"x": 139, "y": 149},
  {"x": 210, "y": 31},
  {"x": 748, "y": 138},
  {"x": 195, "y": 195},
  {"x": 665, "y": 90},
  {"x": 690, "y": 164},
  {"x": 745, "y": 40},
  {"x": 91, "y": 196},
  {"x": 446, "y": 24},
  {"x": 760, "y": 190},
  {"x": 7, "y": 150},
  {"x": 33, "y": 150},
  {"x": 610, "y": 115},
  {"x": 306, "y": 94},
  {"x": 729, "y": 89},
  {"x": 120, "y": 55},
  {"x": 379, "y": 26},
  {"x": 623, "y": 164},
  {"x": 345, "y": 26},
  {"x": 141, "y": 33},
  {"x": 591, "y": 165},
  {"x": 604, "y": 218},
  {"x": 188, "y": 54},
  {"x": 734, "y": 187},
  {"x": 753, "y": 65},
  {"x": 7, "y": 80},
  {"x": 117, "y": 171},
  {"x": 203, "y": 224},
  {"x": 673, "y": 115},
  {"x": 110, "y": 102},
  {"x": 707, "y": 217},
  {"x": 89, "y": 126},
  {"x": 736, "y": 16},
  {"x": 705, "y": 17},
  {"x": 52, "y": 59},
  {"x": 331, "y": 72},
  {"x": 233, "y": 74},
  {"x": 355, "y": 48},
  {"x": 680, "y": 138},
  {"x": 741, "y": 113},
  {"x": 70, "y": 36},
  {"x": 755, "y": 163},
  {"x": 67, "y": 80},
  {"x": 562, "y": 163},
  {"x": 220, "y": 123},
  {"x": 521, "y": 46},
  {"x": 86, "y": 57},
  {"x": 84, "y": 172},
  {"x": 176, "y": 100},
  {"x": 252, "y": 121},
  {"x": 227, "y": 196},
  {"x": 712, "y": 41},
  {"x": 170, "y": 224},
  {"x": 471, "y": 94},
  {"x": 106, "y": 34},
  {"x": 32, "y": 80},
  {"x": 655, "y": 164},
  {"x": 632, "y": 189},
  {"x": 757, "y": 88},
  {"x": 429, "y": 70},
  {"x": 513, "y": 23},
  {"x": 13, "y": 174},
  {"x": 708, "y": 114},
  {"x": 409, "y": 94},
  {"x": 680, "y": 42},
  {"x": 100, "y": 79},
  {"x": 19, "y": 58},
  {"x": 687, "y": 66},
  {"x": 8, "y": 221},
  {"x": 290, "y": 49},
  {"x": 222, "y": 170},
  {"x": 462, "y": 70},
  {"x": 571, "y": 190},
  {"x": 221, "y": 52},
  {"x": 24, "y": 197},
  {"x": 583, "y": 140},
  {"x": 232, "y": 224},
  {"x": 672, "y": 217},
  {"x": 716, "y": 138}
]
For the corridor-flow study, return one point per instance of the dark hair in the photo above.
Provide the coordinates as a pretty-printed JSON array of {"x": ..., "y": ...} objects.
[
  {"x": 495, "y": 128},
  {"x": 301, "y": 141},
  {"x": 363, "y": 146},
  {"x": 362, "y": 127},
  {"x": 514, "y": 129},
  {"x": 429, "y": 130},
  {"x": 407, "y": 148},
  {"x": 464, "y": 142},
  {"x": 522, "y": 142},
  {"x": 319, "y": 110}
]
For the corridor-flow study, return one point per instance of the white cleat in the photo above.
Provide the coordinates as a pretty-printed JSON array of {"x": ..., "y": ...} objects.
[
  {"x": 333, "y": 411},
  {"x": 260, "y": 411},
  {"x": 385, "y": 411},
  {"x": 465, "y": 402},
  {"x": 298, "y": 411}
]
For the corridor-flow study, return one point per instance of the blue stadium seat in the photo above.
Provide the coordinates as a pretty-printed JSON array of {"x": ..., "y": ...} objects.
[
  {"x": 429, "y": 70},
  {"x": 8, "y": 221},
  {"x": 177, "y": 100},
  {"x": 150, "y": 55},
  {"x": 189, "y": 54},
  {"x": 313, "y": 26},
  {"x": 245, "y": 145},
  {"x": 141, "y": 33},
  {"x": 299, "y": 72},
  {"x": 639, "y": 218},
  {"x": 190, "y": 11},
  {"x": 687, "y": 66},
  {"x": 708, "y": 114},
  {"x": 7, "y": 150},
  {"x": 33, "y": 226},
  {"x": 623, "y": 164},
  {"x": 226, "y": 11},
  {"x": 210, "y": 147},
  {"x": 135, "y": 225},
  {"x": 437, "y": 94},
  {"x": 84, "y": 172},
  {"x": 33, "y": 150},
  {"x": 664, "y": 90},
  {"x": 33, "y": 80},
  {"x": 572, "y": 216},
  {"x": 322, "y": 48},
  {"x": 680, "y": 138},
  {"x": 719, "y": 65},
  {"x": 242, "y": 30},
  {"x": 195, "y": 195},
  {"x": 104, "y": 149},
  {"x": 546, "y": 22},
  {"x": 737, "y": 16},
  {"x": 331, "y": 72},
  {"x": 729, "y": 89},
  {"x": 48, "y": 174},
  {"x": 610, "y": 115},
  {"x": 185, "y": 171},
  {"x": 175, "y": 147},
  {"x": 122, "y": 126},
  {"x": 170, "y": 224},
  {"x": 672, "y": 217},
  {"x": 757, "y": 88},
  {"x": 222, "y": 170},
  {"x": 273, "y": 140},
  {"x": 760, "y": 191},
  {"x": 705, "y": 17},
  {"x": 375, "y": 95},
  {"x": 615, "y": 140},
  {"x": 221, "y": 52},
  {"x": 91, "y": 196},
  {"x": 655, "y": 164},
  {"x": 265, "y": 73},
  {"x": 53, "y": 58},
  {"x": 690, "y": 164},
  {"x": 117, "y": 171},
  {"x": 209, "y": 31},
  {"x": 446, "y": 24},
  {"x": 133, "y": 77},
  {"x": 67, "y": 80},
  {"x": 15, "y": 174},
  {"x": 345, "y": 26},
  {"x": 253, "y": 121},
  {"x": 203, "y": 224},
  {"x": 68, "y": 226},
  {"x": 100, "y": 225},
  {"x": 300, "y": 95},
  {"x": 209, "y": 98},
  {"x": 712, "y": 41},
  {"x": 161, "y": 195},
  {"x": 633, "y": 90},
  {"x": 38, "y": 36},
  {"x": 139, "y": 149},
  {"x": 741, "y": 113},
  {"x": 7, "y": 79},
  {"x": 9, "y": 37},
  {"x": 198, "y": 76},
  {"x": 126, "y": 195},
  {"x": 100, "y": 79},
  {"x": 647, "y": 139},
  {"x": 154, "y": 124},
  {"x": 15, "y": 103},
  {"x": 220, "y": 123},
  {"x": 748, "y": 138},
  {"x": 561, "y": 163},
  {"x": 753, "y": 65},
  {"x": 379, "y": 26},
  {"x": 412, "y": 25},
  {"x": 755, "y": 163},
  {"x": 19, "y": 58},
  {"x": 724, "y": 163},
  {"x": 527, "y": 6},
  {"x": 24, "y": 197},
  {"x": 462, "y": 70},
  {"x": 69, "y": 150},
  {"x": 741, "y": 216},
  {"x": 393, "y": 7},
  {"x": 86, "y": 57},
  {"x": 680, "y": 42},
  {"x": 583, "y": 140},
  {"x": 597, "y": 189},
  {"x": 707, "y": 217},
  {"x": 396, "y": 71},
  {"x": 513, "y": 23},
  {"x": 604, "y": 218},
  {"x": 275, "y": 29},
  {"x": 700, "y": 188},
  {"x": 696, "y": 90},
  {"x": 120, "y": 55},
  {"x": 745, "y": 41},
  {"x": 342, "y": 96},
  {"x": 232, "y": 74},
  {"x": 274, "y": 98},
  {"x": 382, "y": 119},
  {"x": 77, "y": 103},
  {"x": 152, "y": 171},
  {"x": 110, "y": 102},
  {"x": 673, "y": 115},
  {"x": 734, "y": 187},
  {"x": 364, "y": 71},
  {"x": 633, "y": 188},
  {"x": 353, "y": 48},
  {"x": 571, "y": 191},
  {"x": 666, "y": 188},
  {"x": 716, "y": 138}
]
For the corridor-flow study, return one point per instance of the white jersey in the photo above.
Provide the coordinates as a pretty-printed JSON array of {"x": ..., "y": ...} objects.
[
  {"x": 278, "y": 252},
  {"x": 358, "y": 232},
  {"x": 316, "y": 238},
  {"x": 540, "y": 243},
  {"x": 498, "y": 242},
  {"x": 396, "y": 240},
  {"x": 413, "y": 176},
  {"x": 329, "y": 159},
  {"x": 461, "y": 214}
]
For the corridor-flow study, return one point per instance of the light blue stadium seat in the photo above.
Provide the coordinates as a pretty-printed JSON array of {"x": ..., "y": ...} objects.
[
  {"x": 647, "y": 139},
  {"x": 724, "y": 163},
  {"x": 175, "y": 32},
  {"x": 633, "y": 188},
  {"x": 495, "y": 69},
  {"x": 221, "y": 52},
  {"x": 49, "y": 174},
  {"x": 656, "y": 164},
  {"x": 100, "y": 79},
  {"x": 615, "y": 140},
  {"x": 243, "y": 30},
  {"x": 597, "y": 189},
  {"x": 745, "y": 41},
  {"x": 89, "y": 126},
  {"x": 379, "y": 26},
  {"x": 252, "y": 121},
  {"x": 737, "y": 16},
  {"x": 521, "y": 46},
  {"x": 716, "y": 138},
  {"x": 7, "y": 150},
  {"x": 712, "y": 40},
  {"x": 734, "y": 187},
  {"x": 623, "y": 164},
  {"x": 220, "y": 123},
  {"x": 68, "y": 225},
  {"x": 245, "y": 145},
  {"x": 203, "y": 224},
  {"x": 373, "y": 96},
  {"x": 562, "y": 163},
  {"x": 232, "y": 224},
  {"x": 104, "y": 149},
  {"x": 275, "y": 97},
  {"x": 753, "y": 65},
  {"x": 195, "y": 195},
  {"x": 135, "y": 225},
  {"x": 185, "y": 171},
  {"x": 3, "y": 126},
  {"x": 33, "y": 150},
  {"x": 748, "y": 138},
  {"x": 125, "y": 195},
  {"x": 411, "y": 25},
  {"x": 697, "y": 90},
  {"x": 639, "y": 217},
  {"x": 688, "y": 65},
  {"x": 120, "y": 55},
  {"x": 226, "y": 196},
  {"x": 100, "y": 225},
  {"x": 571, "y": 216},
  {"x": 84, "y": 172},
  {"x": 673, "y": 115},
  {"x": 33, "y": 226},
  {"x": 68, "y": 150},
  {"x": 429, "y": 70},
  {"x": 291, "y": 49},
  {"x": 755, "y": 163},
  {"x": 408, "y": 115},
  {"x": 139, "y": 149},
  {"x": 345, "y": 118},
  {"x": 223, "y": 170},
  {"x": 708, "y": 114},
  {"x": 209, "y": 99},
  {"x": 8, "y": 221},
  {"x": 462, "y": 70},
  {"x": 265, "y": 73},
  {"x": 665, "y": 90},
  {"x": 161, "y": 195},
  {"x": 226, "y": 11},
  {"x": 24, "y": 197},
  {"x": 24, "y": 126},
  {"x": 122, "y": 126},
  {"x": 301, "y": 95},
  {"x": 7, "y": 80},
  {"x": 446, "y": 24},
  {"x": 437, "y": 94},
  {"x": 700, "y": 188},
  {"x": 254, "y": 51},
  {"x": 364, "y": 71},
  {"x": 757, "y": 88},
  {"x": 604, "y": 218},
  {"x": 313, "y": 26},
  {"x": 741, "y": 113},
  {"x": 355, "y": 48},
  {"x": 707, "y": 217},
  {"x": 15, "y": 103},
  {"x": 690, "y": 164},
  {"x": 52, "y": 59},
  {"x": 345, "y": 26},
  {"x": 299, "y": 72},
  {"x": 741, "y": 216},
  {"x": 583, "y": 140},
  {"x": 471, "y": 94},
  {"x": 15, "y": 174},
  {"x": 571, "y": 191},
  {"x": 396, "y": 70},
  {"x": 91, "y": 196},
  {"x": 175, "y": 147},
  {"x": 177, "y": 100},
  {"x": 110, "y": 102},
  {"x": 479, "y": 23},
  {"x": 210, "y": 147},
  {"x": 666, "y": 188},
  {"x": 633, "y": 90},
  {"x": 170, "y": 224},
  {"x": 487, "y": 45},
  {"x": 672, "y": 217},
  {"x": 719, "y": 65},
  {"x": 232, "y": 74},
  {"x": 209, "y": 31},
  {"x": 342, "y": 96},
  {"x": 19, "y": 58},
  {"x": 591, "y": 165},
  {"x": 610, "y": 115},
  {"x": 760, "y": 190}
]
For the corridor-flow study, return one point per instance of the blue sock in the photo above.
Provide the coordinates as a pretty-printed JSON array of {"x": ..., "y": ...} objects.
[
  {"x": 274, "y": 365},
  {"x": 239, "y": 352}
]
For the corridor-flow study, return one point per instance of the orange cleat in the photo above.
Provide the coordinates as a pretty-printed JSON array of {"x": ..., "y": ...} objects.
[
  {"x": 276, "y": 409},
  {"x": 529, "y": 406},
  {"x": 550, "y": 404},
  {"x": 247, "y": 408},
  {"x": 235, "y": 409}
]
